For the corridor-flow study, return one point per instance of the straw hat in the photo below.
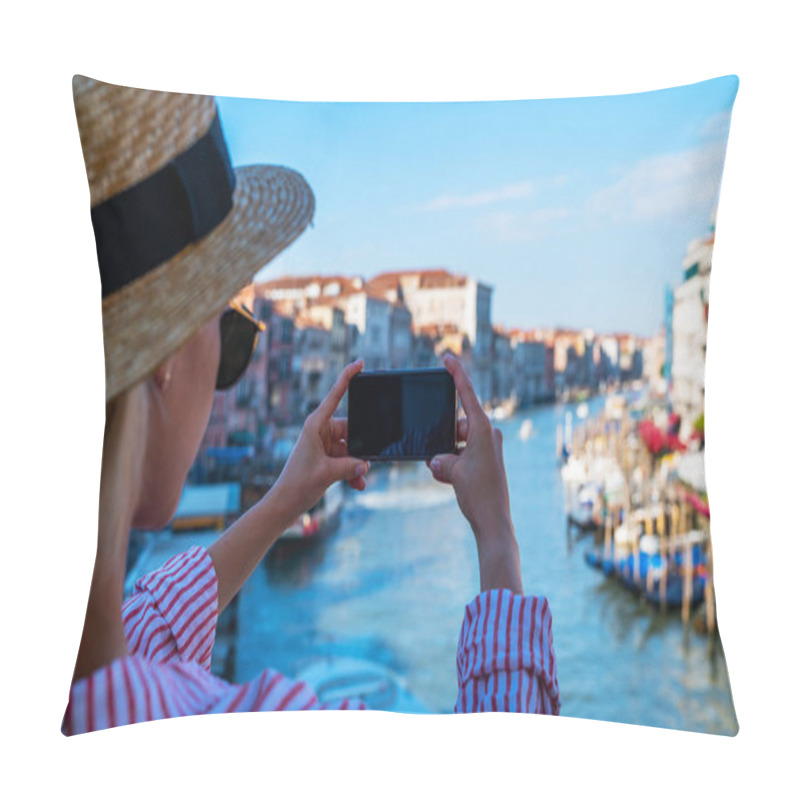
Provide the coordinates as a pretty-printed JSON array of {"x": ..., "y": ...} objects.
[{"x": 178, "y": 231}]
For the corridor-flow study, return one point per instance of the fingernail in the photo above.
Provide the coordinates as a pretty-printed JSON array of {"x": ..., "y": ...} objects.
[
  {"x": 361, "y": 469},
  {"x": 436, "y": 466}
]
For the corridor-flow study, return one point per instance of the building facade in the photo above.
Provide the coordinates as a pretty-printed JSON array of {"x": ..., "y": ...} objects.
[{"x": 690, "y": 333}]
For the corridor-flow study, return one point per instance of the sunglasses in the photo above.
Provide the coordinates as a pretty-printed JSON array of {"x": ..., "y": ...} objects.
[{"x": 239, "y": 331}]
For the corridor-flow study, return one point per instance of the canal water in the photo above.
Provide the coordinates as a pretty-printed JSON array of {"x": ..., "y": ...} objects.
[{"x": 390, "y": 586}]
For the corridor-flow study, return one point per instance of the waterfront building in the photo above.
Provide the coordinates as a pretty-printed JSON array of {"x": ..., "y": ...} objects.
[
  {"x": 669, "y": 300},
  {"x": 320, "y": 354},
  {"x": 502, "y": 360},
  {"x": 529, "y": 367},
  {"x": 439, "y": 297},
  {"x": 400, "y": 336},
  {"x": 352, "y": 341},
  {"x": 549, "y": 370},
  {"x": 310, "y": 372},
  {"x": 423, "y": 347},
  {"x": 690, "y": 331},
  {"x": 602, "y": 368},
  {"x": 630, "y": 357},
  {"x": 653, "y": 360},
  {"x": 372, "y": 316},
  {"x": 572, "y": 360},
  {"x": 383, "y": 324},
  {"x": 610, "y": 355},
  {"x": 280, "y": 345}
]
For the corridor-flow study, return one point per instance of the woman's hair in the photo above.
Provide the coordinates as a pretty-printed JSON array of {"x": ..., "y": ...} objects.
[{"x": 124, "y": 445}]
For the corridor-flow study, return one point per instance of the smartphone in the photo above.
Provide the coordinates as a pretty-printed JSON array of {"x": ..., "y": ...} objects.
[{"x": 401, "y": 415}]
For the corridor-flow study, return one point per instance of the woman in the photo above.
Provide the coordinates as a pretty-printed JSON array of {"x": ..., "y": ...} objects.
[{"x": 178, "y": 233}]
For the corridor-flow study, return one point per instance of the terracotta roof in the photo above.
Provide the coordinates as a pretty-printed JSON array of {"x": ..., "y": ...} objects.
[
  {"x": 422, "y": 278},
  {"x": 435, "y": 329},
  {"x": 345, "y": 282}
]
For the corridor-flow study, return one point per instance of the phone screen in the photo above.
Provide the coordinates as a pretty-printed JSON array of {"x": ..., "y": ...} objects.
[{"x": 408, "y": 414}]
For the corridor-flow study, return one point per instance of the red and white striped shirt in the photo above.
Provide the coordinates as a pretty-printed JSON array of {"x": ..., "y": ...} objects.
[{"x": 505, "y": 658}]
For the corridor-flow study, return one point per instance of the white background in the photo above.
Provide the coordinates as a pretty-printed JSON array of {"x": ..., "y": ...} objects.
[{"x": 53, "y": 389}]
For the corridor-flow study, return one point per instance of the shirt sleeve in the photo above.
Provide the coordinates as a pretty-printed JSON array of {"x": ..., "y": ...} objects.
[
  {"x": 172, "y": 614},
  {"x": 506, "y": 660}
]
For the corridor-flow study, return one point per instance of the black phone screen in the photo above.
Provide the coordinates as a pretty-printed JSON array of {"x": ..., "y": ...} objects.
[{"x": 408, "y": 414}]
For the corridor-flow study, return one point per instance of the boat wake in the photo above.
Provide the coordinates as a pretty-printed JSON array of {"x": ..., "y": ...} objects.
[{"x": 405, "y": 497}]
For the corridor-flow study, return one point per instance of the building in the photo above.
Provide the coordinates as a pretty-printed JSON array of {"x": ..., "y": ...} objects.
[
  {"x": 437, "y": 297},
  {"x": 310, "y": 371},
  {"x": 502, "y": 360},
  {"x": 320, "y": 355},
  {"x": 423, "y": 347},
  {"x": 653, "y": 360},
  {"x": 383, "y": 325},
  {"x": 530, "y": 384},
  {"x": 280, "y": 353},
  {"x": 690, "y": 331}
]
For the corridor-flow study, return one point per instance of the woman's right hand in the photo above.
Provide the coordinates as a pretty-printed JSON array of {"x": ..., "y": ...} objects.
[{"x": 478, "y": 475}]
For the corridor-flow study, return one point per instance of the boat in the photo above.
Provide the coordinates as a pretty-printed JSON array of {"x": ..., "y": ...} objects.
[
  {"x": 652, "y": 571},
  {"x": 503, "y": 410},
  {"x": 320, "y": 519},
  {"x": 335, "y": 679},
  {"x": 526, "y": 430}
]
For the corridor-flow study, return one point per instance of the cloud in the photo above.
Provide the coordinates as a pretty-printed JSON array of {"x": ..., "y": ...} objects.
[
  {"x": 663, "y": 185},
  {"x": 716, "y": 126},
  {"x": 513, "y": 191},
  {"x": 489, "y": 197},
  {"x": 522, "y": 226}
]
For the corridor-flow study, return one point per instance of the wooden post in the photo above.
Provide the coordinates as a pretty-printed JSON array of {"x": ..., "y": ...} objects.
[
  {"x": 711, "y": 600},
  {"x": 662, "y": 586},
  {"x": 559, "y": 442},
  {"x": 688, "y": 568},
  {"x": 609, "y": 533},
  {"x": 636, "y": 576},
  {"x": 648, "y": 529}
]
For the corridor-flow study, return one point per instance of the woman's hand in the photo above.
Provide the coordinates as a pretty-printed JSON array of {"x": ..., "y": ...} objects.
[
  {"x": 478, "y": 475},
  {"x": 319, "y": 457}
]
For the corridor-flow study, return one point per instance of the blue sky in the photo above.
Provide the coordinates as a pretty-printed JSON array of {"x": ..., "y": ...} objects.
[{"x": 576, "y": 211}]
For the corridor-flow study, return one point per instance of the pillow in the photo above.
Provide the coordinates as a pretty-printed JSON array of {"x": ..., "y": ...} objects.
[{"x": 561, "y": 250}]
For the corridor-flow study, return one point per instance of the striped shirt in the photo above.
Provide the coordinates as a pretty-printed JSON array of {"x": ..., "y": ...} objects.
[{"x": 505, "y": 658}]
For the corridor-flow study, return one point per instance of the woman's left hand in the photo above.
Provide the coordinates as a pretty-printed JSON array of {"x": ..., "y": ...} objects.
[{"x": 319, "y": 457}]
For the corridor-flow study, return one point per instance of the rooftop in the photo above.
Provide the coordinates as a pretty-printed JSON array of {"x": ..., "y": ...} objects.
[{"x": 417, "y": 279}]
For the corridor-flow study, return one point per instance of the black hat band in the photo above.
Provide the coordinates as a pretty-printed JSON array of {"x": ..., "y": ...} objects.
[{"x": 149, "y": 223}]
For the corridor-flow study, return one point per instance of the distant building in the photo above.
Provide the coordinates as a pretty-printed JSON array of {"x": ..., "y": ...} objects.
[
  {"x": 653, "y": 360},
  {"x": 400, "y": 337},
  {"x": 423, "y": 347},
  {"x": 529, "y": 367},
  {"x": 669, "y": 302},
  {"x": 572, "y": 360},
  {"x": 630, "y": 357},
  {"x": 610, "y": 357},
  {"x": 331, "y": 318},
  {"x": 439, "y": 297},
  {"x": 383, "y": 324},
  {"x": 280, "y": 339},
  {"x": 502, "y": 360},
  {"x": 309, "y": 366},
  {"x": 372, "y": 316},
  {"x": 320, "y": 352}
]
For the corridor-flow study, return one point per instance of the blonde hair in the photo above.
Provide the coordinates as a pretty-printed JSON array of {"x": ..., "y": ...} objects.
[{"x": 124, "y": 443}]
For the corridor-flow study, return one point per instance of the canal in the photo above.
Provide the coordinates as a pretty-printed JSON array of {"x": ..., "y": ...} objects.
[{"x": 390, "y": 586}]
